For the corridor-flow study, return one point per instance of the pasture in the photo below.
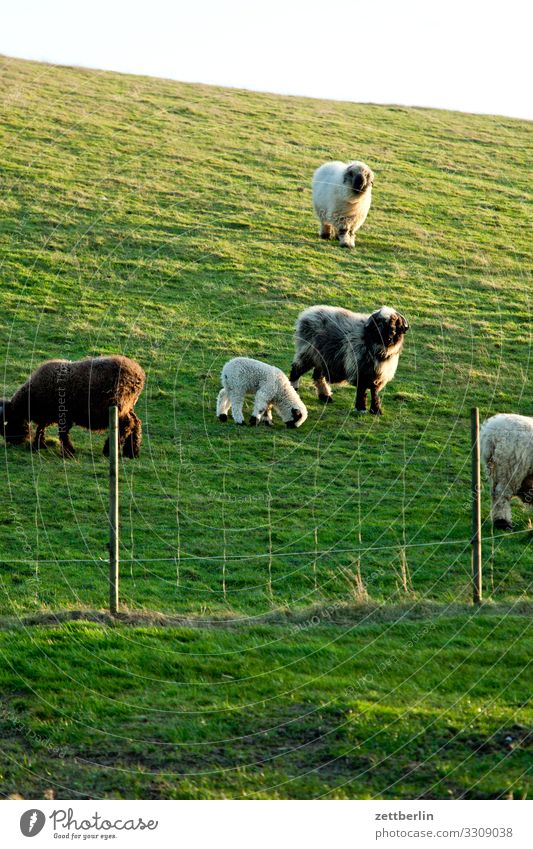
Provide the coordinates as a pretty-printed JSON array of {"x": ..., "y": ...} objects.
[{"x": 173, "y": 223}]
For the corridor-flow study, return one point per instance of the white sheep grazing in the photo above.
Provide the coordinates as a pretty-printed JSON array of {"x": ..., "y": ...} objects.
[
  {"x": 342, "y": 194},
  {"x": 243, "y": 376},
  {"x": 506, "y": 444}
]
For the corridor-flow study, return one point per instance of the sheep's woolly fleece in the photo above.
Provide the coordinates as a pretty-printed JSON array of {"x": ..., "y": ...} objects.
[
  {"x": 243, "y": 376},
  {"x": 342, "y": 194},
  {"x": 68, "y": 393},
  {"x": 506, "y": 443},
  {"x": 340, "y": 345}
]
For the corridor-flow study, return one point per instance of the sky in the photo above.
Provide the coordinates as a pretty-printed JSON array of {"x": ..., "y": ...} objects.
[{"x": 471, "y": 56}]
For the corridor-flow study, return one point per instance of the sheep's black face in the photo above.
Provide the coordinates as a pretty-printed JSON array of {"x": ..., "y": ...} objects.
[
  {"x": 296, "y": 417},
  {"x": 358, "y": 182},
  {"x": 386, "y": 328},
  {"x": 12, "y": 429},
  {"x": 359, "y": 178}
]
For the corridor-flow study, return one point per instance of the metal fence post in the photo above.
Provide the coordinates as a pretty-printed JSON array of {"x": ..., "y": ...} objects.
[
  {"x": 477, "y": 589},
  {"x": 113, "y": 511}
]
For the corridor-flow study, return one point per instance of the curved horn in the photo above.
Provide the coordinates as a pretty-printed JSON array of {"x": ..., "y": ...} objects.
[{"x": 405, "y": 322}]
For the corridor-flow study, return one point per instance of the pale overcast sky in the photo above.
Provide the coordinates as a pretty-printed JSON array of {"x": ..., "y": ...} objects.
[{"x": 470, "y": 55}]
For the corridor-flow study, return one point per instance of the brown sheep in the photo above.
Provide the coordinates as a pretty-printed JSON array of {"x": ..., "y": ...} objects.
[{"x": 76, "y": 393}]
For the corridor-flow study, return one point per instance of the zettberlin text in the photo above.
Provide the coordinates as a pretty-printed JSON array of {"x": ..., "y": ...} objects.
[{"x": 399, "y": 815}]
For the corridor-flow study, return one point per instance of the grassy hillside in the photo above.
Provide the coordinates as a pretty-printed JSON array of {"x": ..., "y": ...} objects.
[
  {"x": 424, "y": 709},
  {"x": 173, "y": 223}
]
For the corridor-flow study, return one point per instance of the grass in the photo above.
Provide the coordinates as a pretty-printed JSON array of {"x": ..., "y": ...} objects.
[
  {"x": 173, "y": 223},
  {"x": 430, "y": 709}
]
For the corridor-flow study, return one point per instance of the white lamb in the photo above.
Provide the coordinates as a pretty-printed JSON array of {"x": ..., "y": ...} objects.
[
  {"x": 342, "y": 194},
  {"x": 506, "y": 444},
  {"x": 243, "y": 376}
]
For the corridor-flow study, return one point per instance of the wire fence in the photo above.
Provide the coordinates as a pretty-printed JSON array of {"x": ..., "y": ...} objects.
[{"x": 313, "y": 555}]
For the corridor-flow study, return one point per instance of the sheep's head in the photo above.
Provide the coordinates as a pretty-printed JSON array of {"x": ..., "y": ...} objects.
[
  {"x": 359, "y": 177},
  {"x": 386, "y": 328},
  {"x": 14, "y": 429},
  {"x": 298, "y": 415}
]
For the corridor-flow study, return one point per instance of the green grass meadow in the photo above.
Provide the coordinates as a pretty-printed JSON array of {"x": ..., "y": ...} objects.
[{"x": 268, "y": 576}]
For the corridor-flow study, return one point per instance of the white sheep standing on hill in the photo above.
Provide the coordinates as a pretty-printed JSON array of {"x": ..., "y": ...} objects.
[
  {"x": 342, "y": 194},
  {"x": 244, "y": 376},
  {"x": 506, "y": 443}
]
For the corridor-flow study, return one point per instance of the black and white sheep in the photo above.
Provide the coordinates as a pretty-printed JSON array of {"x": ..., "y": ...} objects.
[
  {"x": 342, "y": 346},
  {"x": 506, "y": 446},
  {"x": 342, "y": 194},
  {"x": 76, "y": 393},
  {"x": 244, "y": 376}
]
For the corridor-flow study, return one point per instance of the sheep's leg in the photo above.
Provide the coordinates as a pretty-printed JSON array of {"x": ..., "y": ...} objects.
[
  {"x": 223, "y": 405},
  {"x": 267, "y": 419},
  {"x": 326, "y": 230},
  {"x": 132, "y": 437},
  {"x": 125, "y": 428},
  {"x": 299, "y": 367},
  {"x": 352, "y": 231},
  {"x": 66, "y": 445},
  {"x": 360, "y": 399},
  {"x": 40, "y": 438},
  {"x": 525, "y": 493},
  {"x": 375, "y": 402},
  {"x": 237, "y": 401},
  {"x": 322, "y": 386},
  {"x": 346, "y": 237},
  {"x": 502, "y": 517},
  {"x": 261, "y": 402}
]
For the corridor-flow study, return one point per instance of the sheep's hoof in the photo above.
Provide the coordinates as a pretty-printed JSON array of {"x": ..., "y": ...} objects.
[
  {"x": 360, "y": 412},
  {"x": 68, "y": 453},
  {"x": 253, "y": 421},
  {"x": 268, "y": 422},
  {"x": 377, "y": 412},
  {"x": 346, "y": 245},
  {"x": 502, "y": 525},
  {"x": 223, "y": 417},
  {"x": 325, "y": 399},
  {"x": 129, "y": 451},
  {"x": 240, "y": 423}
]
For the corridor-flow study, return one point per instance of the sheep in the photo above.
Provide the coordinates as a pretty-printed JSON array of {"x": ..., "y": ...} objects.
[
  {"x": 346, "y": 346},
  {"x": 342, "y": 194},
  {"x": 243, "y": 375},
  {"x": 506, "y": 447},
  {"x": 80, "y": 393}
]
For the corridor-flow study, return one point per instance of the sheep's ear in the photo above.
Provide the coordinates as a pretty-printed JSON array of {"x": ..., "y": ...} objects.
[{"x": 347, "y": 175}]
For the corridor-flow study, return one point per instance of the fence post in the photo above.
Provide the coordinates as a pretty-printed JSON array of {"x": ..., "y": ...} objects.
[
  {"x": 477, "y": 589},
  {"x": 113, "y": 511}
]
